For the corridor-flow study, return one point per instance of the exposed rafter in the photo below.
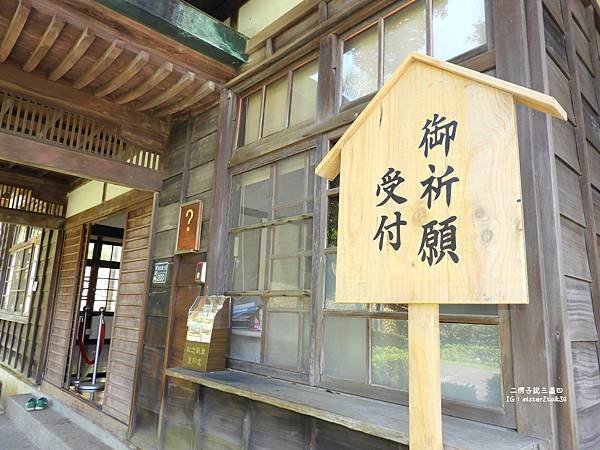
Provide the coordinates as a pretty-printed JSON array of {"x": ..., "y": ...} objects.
[
  {"x": 52, "y": 31},
  {"x": 145, "y": 86},
  {"x": 14, "y": 30},
  {"x": 77, "y": 51},
  {"x": 132, "y": 69},
  {"x": 101, "y": 65},
  {"x": 140, "y": 128},
  {"x": 183, "y": 82},
  {"x": 207, "y": 89}
]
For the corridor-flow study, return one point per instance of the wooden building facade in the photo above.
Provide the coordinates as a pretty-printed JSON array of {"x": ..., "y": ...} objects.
[{"x": 243, "y": 134}]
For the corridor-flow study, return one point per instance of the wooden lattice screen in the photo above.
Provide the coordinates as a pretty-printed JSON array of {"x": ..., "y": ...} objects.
[
  {"x": 24, "y": 199},
  {"x": 31, "y": 119}
]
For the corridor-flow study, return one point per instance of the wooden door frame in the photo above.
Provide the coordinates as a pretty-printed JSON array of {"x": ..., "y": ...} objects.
[{"x": 122, "y": 203}]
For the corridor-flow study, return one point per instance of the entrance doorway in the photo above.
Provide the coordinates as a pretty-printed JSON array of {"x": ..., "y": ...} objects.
[{"x": 96, "y": 308}]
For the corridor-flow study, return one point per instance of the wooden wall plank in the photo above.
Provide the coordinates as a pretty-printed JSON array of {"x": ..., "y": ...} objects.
[
  {"x": 581, "y": 314},
  {"x": 127, "y": 323},
  {"x": 587, "y": 374},
  {"x": 60, "y": 332}
]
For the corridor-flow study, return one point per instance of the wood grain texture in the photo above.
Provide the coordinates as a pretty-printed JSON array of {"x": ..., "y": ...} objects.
[
  {"x": 586, "y": 373},
  {"x": 373, "y": 417},
  {"x": 184, "y": 81},
  {"x": 580, "y": 312},
  {"x": 188, "y": 101},
  {"x": 145, "y": 86},
  {"x": 489, "y": 236},
  {"x": 75, "y": 53},
  {"x": 68, "y": 284},
  {"x": 128, "y": 313},
  {"x": 52, "y": 31},
  {"x": 136, "y": 64},
  {"x": 14, "y": 30},
  {"x": 424, "y": 389},
  {"x": 103, "y": 63}
]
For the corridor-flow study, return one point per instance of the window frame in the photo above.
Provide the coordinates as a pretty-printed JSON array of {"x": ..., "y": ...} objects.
[
  {"x": 239, "y": 143},
  {"x": 378, "y": 21},
  {"x": 95, "y": 263},
  {"x": 32, "y": 242},
  {"x": 301, "y": 374},
  {"x": 329, "y": 124}
]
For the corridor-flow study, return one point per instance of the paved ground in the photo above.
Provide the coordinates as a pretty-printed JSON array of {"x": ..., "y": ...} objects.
[{"x": 11, "y": 437}]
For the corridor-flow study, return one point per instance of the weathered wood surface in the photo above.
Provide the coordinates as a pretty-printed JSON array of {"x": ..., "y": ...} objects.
[
  {"x": 128, "y": 313},
  {"x": 57, "y": 158},
  {"x": 69, "y": 278},
  {"x": 372, "y": 417},
  {"x": 29, "y": 218}
]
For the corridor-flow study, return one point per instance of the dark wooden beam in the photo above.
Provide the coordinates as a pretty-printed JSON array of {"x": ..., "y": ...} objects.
[
  {"x": 17, "y": 217},
  {"x": 43, "y": 188},
  {"x": 58, "y": 159},
  {"x": 136, "y": 127}
]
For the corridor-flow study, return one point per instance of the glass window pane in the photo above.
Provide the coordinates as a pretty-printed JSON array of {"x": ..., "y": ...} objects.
[
  {"x": 251, "y": 197},
  {"x": 458, "y": 26},
  {"x": 246, "y": 260},
  {"x": 285, "y": 274},
  {"x": 250, "y": 118},
  {"x": 291, "y": 180},
  {"x": 389, "y": 353},
  {"x": 106, "y": 252},
  {"x": 405, "y": 32},
  {"x": 345, "y": 348},
  {"x": 359, "y": 65},
  {"x": 282, "y": 339},
  {"x": 304, "y": 92},
  {"x": 333, "y": 204},
  {"x": 330, "y": 267},
  {"x": 482, "y": 310},
  {"x": 287, "y": 239},
  {"x": 116, "y": 253},
  {"x": 275, "y": 106},
  {"x": 470, "y": 367},
  {"x": 246, "y": 324},
  {"x": 90, "y": 250}
]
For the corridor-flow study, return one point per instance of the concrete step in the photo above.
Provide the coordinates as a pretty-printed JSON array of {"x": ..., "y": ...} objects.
[
  {"x": 11, "y": 437},
  {"x": 49, "y": 429}
]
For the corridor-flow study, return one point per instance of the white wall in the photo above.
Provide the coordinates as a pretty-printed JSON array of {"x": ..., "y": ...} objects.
[
  {"x": 90, "y": 194},
  {"x": 255, "y": 15}
]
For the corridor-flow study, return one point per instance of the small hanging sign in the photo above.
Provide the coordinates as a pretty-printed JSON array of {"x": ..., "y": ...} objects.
[{"x": 190, "y": 223}]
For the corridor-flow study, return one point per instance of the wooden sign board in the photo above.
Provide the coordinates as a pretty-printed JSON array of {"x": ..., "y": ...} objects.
[
  {"x": 430, "y": 193},
  {"x": 430, "y": 208},
  {"x": 190, "y": 223}
]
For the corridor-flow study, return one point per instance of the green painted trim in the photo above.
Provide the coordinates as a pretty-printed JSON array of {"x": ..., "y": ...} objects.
[{"x": 186, "y": 25}]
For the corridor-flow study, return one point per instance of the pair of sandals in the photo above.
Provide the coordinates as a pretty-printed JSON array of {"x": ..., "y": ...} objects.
[{"x": 36, "y": 405}]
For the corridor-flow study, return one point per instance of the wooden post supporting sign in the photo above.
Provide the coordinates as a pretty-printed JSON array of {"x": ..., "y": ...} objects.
[{"x": 430, "y": 208}]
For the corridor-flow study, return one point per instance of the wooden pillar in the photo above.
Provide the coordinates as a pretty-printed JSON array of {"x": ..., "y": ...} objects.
[{"x": 424, "y": 384}]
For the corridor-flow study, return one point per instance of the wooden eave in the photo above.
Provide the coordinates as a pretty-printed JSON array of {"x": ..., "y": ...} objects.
[
  {"x": 188, "y": 25},
  {"x": 329, "y": 167},
  {"x": 84, "y": 57}
]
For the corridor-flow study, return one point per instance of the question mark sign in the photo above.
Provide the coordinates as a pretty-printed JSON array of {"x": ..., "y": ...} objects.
[{"x": 190, "y": 215}]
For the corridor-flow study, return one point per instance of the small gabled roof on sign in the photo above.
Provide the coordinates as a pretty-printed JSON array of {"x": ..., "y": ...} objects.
[{"x": 330, "y": 165}]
